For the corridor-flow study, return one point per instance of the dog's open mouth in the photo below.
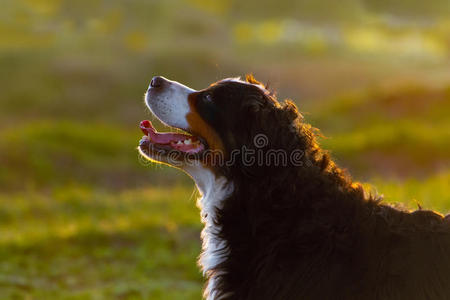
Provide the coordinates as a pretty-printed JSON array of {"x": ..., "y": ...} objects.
[{"x": 169, "y": 141}]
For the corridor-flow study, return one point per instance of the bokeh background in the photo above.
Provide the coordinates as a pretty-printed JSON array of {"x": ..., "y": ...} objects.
[{"x": 83, "y": 217}]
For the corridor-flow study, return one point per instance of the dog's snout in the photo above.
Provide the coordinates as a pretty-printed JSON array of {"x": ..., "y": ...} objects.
[
  {"x": 168, "y": 100},
  {"x": 158, "y": 82}
]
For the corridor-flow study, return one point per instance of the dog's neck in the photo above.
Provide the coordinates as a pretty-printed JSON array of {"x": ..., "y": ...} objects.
[
  {"x": 214, "y": 190},
  {"x": 237, "y": 226}
]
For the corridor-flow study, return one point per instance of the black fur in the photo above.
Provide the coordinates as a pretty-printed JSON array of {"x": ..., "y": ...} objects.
[{"x": 309, "y": 232}]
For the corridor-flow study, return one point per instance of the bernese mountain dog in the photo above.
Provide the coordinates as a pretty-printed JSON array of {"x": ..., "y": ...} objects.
[{"x": 281, "y": 219}]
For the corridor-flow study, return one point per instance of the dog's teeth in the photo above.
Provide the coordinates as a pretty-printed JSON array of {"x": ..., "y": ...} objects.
[{"x": 188, "y": 142}]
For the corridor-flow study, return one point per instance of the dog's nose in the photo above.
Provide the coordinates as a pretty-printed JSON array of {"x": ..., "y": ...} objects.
[{"x": 157, "y": 82}]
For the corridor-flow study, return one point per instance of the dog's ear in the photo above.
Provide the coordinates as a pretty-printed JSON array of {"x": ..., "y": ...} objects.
[{"x": 254, "y": 103}]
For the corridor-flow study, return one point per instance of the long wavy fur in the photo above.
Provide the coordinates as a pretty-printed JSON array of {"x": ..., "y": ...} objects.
[{"x": 307, "y": 231}]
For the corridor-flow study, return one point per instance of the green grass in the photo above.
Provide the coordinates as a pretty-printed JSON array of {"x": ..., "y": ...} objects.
[
  {"x": 50, "y": 153},
  {"x": 79, "y": 243},
  {"x": 428, "y": 193},
  {"x": 405, "y": 147},
  {"x": 394, "y": 136}
]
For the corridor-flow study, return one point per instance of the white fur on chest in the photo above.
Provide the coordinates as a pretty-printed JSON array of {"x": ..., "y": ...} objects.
[
  {"x": 214, "y": 249},
  {"x": 213, "y": 246}
]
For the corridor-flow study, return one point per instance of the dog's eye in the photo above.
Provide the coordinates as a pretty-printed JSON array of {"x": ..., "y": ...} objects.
[
  {"x": 208, "y": 109},
  {"x": 208, "y": 98}
]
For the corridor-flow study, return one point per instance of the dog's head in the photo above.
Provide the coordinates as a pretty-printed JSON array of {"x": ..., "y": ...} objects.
[{"x": 219, "y": 124}]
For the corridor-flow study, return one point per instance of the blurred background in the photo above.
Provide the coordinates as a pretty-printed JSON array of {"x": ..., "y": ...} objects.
[{"x": 83, "y": 217}]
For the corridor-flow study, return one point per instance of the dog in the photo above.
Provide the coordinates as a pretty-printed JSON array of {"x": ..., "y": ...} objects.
[{"x": 281, "y": 219}]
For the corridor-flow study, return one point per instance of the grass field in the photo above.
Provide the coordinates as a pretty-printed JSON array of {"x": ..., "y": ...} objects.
[{"x": 79, "y": 243}]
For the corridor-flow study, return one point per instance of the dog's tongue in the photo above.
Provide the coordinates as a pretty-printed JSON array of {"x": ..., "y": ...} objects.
[{"x": 161, "y": 138}]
